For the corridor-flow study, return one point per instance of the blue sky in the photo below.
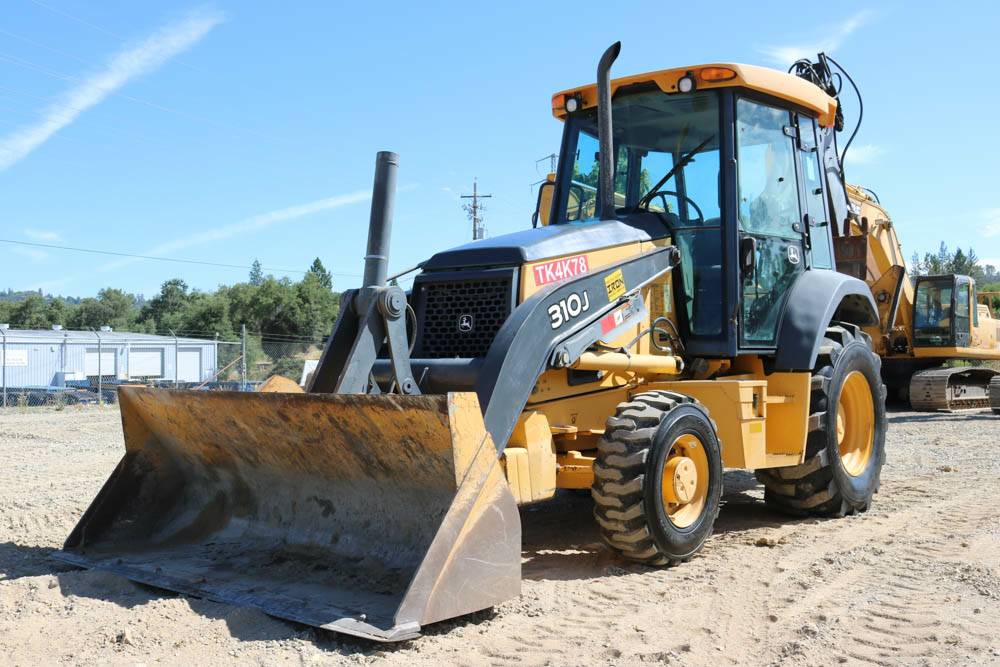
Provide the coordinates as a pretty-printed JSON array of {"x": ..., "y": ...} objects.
[{"x": 230, "y": 131}]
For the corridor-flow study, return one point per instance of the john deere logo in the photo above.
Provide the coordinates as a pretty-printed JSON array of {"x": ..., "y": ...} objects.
[
  {"x": 793, "y": 254},
  {"x": 466, "y": 323}
]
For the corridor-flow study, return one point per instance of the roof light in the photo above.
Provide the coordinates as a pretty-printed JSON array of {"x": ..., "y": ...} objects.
[
  {"x": 685, "y": 84},
  {"x": 571, "y": 104},
  {"x": 716, "y": 74}
]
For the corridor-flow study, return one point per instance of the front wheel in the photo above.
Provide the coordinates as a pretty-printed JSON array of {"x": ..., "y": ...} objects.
[
  {"x": 658, "y": 478},
  {"x": 845, "y": 449}
]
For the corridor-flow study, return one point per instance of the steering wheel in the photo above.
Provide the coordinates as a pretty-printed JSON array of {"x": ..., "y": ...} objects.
[{"x": 662, "y": 194}]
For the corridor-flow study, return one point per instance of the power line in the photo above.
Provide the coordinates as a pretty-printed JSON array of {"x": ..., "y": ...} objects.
[
  {"x": 163, "y": 259},
  {"x": 77, "y": 19},
  {"x": 158, "y": 141},
  {"x": 28, "y": 40},
  {"x": 27, "y": 64},
  {"x": 93, "y": 26},
  {"x": 475, "y": 211}
]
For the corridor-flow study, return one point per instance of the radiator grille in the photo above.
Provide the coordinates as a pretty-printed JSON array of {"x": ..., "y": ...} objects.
[{"x": 460, "y": 318}]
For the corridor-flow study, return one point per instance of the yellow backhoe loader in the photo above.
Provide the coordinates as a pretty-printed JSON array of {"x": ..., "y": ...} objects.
[
  {"x": 923, "y": 322},
  {"x": 679, "y": 313}
]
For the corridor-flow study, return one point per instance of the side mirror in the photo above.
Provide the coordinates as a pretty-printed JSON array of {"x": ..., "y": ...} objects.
[
  {"x": 748, "y": 257},
  {"x": 543, "y": 206}
]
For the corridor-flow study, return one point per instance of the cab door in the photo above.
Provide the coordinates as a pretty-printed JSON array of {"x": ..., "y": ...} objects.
[
  {"x": 772, "y": 250},
  {"x": 963, "y": 309},
  {"x": 816, "y": 221}
]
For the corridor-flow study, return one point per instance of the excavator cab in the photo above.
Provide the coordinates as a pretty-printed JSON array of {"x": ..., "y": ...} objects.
[{"x": 944, "y": 314}]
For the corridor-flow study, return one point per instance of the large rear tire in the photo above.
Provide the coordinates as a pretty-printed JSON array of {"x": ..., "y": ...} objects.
[
  {"x": 658, "y": 478},
  {"x": 845, "y": 449}
]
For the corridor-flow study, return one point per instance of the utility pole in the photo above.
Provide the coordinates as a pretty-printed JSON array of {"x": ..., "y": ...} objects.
[
  {"x": 552, "y": 158},
  {"x": 475, "y": 211}
]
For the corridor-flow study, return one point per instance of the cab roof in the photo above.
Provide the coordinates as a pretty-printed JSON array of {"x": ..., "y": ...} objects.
[{"x": 716, "y": 75}]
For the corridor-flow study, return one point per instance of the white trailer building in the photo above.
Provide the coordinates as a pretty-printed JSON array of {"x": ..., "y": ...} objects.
[{"x": 40, "y": 358}]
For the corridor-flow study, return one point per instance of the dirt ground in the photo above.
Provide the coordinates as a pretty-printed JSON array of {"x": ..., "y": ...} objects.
[{"x": 914, "y": 581}]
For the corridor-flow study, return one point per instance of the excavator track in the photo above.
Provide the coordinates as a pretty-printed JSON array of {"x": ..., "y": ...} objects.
[{"x": 960, "y": 388}]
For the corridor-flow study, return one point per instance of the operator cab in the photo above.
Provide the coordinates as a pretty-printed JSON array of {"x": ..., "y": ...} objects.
[
  {"x": 730, "y": 170},
  {"x": 944, "y": 311}
]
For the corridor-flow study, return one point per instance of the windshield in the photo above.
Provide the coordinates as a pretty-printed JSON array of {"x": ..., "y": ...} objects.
[
  {"x": 932, "y": 312},
  {"x": 667, "y": 158}
]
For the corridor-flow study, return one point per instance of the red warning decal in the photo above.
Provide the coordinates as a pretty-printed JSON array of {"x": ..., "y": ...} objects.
[
  {"x": 612, "y": 321},
  {"x": 624, "y": 315}
]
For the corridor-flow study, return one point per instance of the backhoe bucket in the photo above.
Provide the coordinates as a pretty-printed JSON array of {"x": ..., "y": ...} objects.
[{"x": 368, "y": 515}]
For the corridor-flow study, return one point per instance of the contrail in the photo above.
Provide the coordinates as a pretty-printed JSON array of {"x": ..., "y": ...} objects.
[{"x": 124, "y": 66}]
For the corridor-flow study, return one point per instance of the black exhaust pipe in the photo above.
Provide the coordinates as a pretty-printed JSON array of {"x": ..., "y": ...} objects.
[
  {"x": 606, "y": 184},
  {"x": 380, "y": 223}
]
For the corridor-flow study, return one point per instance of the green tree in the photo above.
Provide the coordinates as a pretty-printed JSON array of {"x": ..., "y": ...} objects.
[
  {"x": 317, "y": 269},
  {"x": 945, "y": 261},
  {"x": 271, "y": 308},
  {"x": 112, "y": 307},
  {"x": 207, "y": 315},
  {"x": 57, "y": 311},
  {"x": 317, "y": 306},
  {"x": 279, "y": 310},
  {"x": 966, "y": 264},
  {"x": 30, "y": 313},
  {"x": 165, "y": 311},
  {"x": 256, "y": 273}
]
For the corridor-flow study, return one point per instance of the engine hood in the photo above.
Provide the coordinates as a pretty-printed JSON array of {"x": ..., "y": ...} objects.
[{"x": 532, "y": 245}]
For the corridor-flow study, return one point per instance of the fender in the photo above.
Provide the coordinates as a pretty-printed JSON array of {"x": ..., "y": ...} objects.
[{"x": 816, "y": 298}]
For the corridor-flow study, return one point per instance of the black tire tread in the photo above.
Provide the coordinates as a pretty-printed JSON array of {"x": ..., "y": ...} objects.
[
  {"x": 809, "y": 488},
  {"x": 619, "y": 476}
]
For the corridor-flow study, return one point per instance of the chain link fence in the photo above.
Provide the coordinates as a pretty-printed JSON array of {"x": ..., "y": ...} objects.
[
  {"x": 294, "y": 359},
  {"x": 59, "y": 368}
]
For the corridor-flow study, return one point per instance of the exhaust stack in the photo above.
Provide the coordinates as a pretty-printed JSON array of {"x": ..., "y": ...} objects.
[
  {"x": 380, "y": 223},
  {"x": 606, "y": 184}
]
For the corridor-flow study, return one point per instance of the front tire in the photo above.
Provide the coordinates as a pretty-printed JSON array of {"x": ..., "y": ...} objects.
[
  {"x": 845, "y": 449},
  {"x": 658, "y": 478}
]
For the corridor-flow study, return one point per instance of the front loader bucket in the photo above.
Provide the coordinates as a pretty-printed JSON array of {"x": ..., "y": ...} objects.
[{"x": 368, "y": 515}]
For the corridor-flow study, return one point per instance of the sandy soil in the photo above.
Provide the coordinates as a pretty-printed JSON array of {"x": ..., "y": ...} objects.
[{"x": 914, "y": 581}]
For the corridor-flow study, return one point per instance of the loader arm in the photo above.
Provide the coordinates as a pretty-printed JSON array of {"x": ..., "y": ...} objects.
[
  {"x": 523, "y": 348},
  {"x": 525, "y": 345}
]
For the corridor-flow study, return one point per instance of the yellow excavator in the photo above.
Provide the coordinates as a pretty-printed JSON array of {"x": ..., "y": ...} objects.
[
  {"x": 678, "y": 313},
  {"x": 924, "y": 321}
]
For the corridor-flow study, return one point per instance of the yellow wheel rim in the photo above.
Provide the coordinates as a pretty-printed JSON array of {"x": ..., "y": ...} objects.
[
  {"x": 684, "y": 485},
  {"x": 855, "y": 423}
]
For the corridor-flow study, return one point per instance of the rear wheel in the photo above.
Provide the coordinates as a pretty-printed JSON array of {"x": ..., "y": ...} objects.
[
  {"x": 658, "y": 478},
  {"x": 845, "y": 449}
]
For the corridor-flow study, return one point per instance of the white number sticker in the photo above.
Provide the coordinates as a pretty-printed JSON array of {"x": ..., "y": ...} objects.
[{"x": 568, "y": 309}]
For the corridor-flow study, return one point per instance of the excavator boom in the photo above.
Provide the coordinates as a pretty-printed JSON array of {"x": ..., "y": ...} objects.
[{"x": 912, "y": 346}]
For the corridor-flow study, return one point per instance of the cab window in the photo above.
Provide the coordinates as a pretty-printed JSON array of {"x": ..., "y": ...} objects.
[
  {"x": 962, "y": 308},
  {"x": 768, "y": 214},
  {"x": 667, "y": 166},
  {"x": 815, "y": 203},
  {"x": 769, "y": 198},
  {"x": 666, "y": 159}
]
